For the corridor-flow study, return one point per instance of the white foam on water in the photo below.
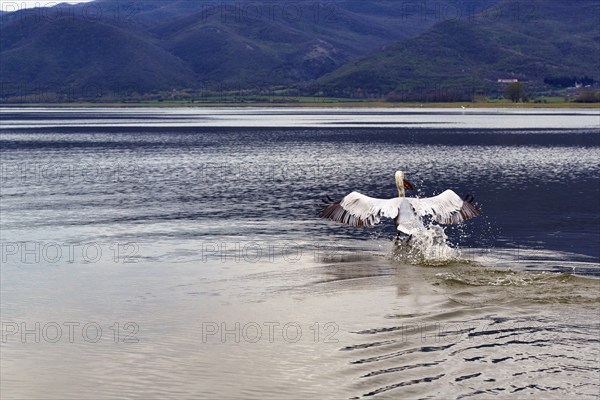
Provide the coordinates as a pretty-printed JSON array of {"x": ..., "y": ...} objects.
[{"x": 428, "y": 246}]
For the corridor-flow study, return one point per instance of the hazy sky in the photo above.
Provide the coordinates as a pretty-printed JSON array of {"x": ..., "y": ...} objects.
[{"x": 15, "y": 5}]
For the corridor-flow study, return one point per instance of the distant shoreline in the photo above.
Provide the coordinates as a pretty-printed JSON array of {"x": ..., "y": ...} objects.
[{"x": 341, "y": 104}]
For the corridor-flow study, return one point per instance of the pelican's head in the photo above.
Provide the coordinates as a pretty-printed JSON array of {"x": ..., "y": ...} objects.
[{"x": 401, "y": 183}]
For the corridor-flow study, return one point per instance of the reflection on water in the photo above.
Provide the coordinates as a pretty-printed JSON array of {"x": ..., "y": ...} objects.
[
  {"x": 440, "y": 118},
  {"x": 197, "y": 251}
]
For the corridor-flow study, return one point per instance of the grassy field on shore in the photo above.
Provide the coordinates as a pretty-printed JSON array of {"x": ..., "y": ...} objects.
[{"x": 310, "y": 101}]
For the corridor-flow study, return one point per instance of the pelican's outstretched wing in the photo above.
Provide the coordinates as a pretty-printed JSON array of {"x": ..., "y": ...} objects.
[
  {"x": 356, "y": 209},
  {"x": 446, "y": 208}
]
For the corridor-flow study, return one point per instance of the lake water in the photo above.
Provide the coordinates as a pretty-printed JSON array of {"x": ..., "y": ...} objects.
[{"x": 178, "y": 253}]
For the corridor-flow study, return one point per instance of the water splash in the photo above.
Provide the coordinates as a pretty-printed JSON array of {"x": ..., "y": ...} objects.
[{"x": 429, "y": 246}]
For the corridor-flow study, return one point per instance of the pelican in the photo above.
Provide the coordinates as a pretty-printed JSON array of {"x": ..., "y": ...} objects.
[{"x": 356, "y": 209}]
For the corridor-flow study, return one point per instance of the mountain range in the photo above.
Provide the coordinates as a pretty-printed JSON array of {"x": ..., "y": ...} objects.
[{"x": 350, "y": 48}]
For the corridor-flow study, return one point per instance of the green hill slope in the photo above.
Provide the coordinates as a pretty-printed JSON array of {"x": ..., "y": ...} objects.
[
  {"x": 78, "y": 59},
  {"x": 538, "y": 40}
]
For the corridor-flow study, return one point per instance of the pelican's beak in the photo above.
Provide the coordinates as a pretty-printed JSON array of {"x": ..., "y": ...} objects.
[{"x": 407, "y": 184}]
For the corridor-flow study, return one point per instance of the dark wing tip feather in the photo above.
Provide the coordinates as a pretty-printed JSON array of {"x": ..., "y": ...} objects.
[
  {"x": 469, "y": 208},
  {"x": 335, "y": 212}
]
